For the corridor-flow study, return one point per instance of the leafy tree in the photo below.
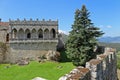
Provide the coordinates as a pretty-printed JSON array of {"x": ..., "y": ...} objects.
[{"x": 82, "y": 39}]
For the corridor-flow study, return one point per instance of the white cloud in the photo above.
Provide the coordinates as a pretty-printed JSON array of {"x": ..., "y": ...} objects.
[
  {"x": 109, "y": 26},
  {"x": 61, "y": 31},
  {"x": 104, "y": 26}
]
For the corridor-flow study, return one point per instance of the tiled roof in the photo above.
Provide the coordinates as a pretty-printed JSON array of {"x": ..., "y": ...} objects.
[{"x": 5, "y": 24}]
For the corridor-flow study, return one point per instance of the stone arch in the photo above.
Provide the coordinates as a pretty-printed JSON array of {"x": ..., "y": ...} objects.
[
  {"x": 40, "y": 33},
  {"x": 33, "y": 33},
  {"x": 21, "y": 34},
  {"x": 52, "y": 33},
  {"x": 46, "y": 34},
  {"x": 27, "y": 34},
  {"x": 14, "y": 33}
]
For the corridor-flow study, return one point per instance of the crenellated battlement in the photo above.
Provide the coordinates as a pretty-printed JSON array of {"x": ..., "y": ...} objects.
[
  {"x": 102, "y": 68},
  {"x": 32, "y": 22}
]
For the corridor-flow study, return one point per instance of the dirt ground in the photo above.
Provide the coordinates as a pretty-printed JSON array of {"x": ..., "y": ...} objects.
[{"x": 118, "y": 72}]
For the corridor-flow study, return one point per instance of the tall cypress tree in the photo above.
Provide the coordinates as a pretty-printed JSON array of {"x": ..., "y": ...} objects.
[{"x": 82, "y": 39}]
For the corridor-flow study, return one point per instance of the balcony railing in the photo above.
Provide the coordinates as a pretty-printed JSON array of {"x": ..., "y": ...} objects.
[
  {"x": 36, "y": 39},
  {"x": 33, "y": 40}
]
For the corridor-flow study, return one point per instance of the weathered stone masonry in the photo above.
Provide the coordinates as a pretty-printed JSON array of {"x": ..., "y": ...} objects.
[
  {"x": 32, "y": 38},
  {"x": 102, "y": 68},
  {"x": 28, "y": 38}
]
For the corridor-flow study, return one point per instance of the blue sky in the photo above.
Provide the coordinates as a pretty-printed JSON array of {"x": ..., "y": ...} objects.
[{"x": 105, "y": 14}]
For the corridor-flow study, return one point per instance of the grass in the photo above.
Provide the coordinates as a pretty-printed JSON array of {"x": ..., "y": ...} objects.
[
  {"x": 118, "y": 64},
  {"x": 47, "y": 70},
  {"x": 118, "y": 60}
]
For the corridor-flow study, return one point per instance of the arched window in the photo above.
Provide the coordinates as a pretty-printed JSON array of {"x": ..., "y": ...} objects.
[
  {"x": 14, "y": 33},
  {"x": 40, "y": 33},
  {"x": 7, "y": 37},
  {"x": 21, "y": 34},
  {"x": 28, "y": 34},
  {"x": 46, "y": 34},
  {"x": 52, "y": 33},
  {"x": 33, "y": 34}
]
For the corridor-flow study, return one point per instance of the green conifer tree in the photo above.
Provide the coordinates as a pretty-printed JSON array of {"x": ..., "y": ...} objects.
[{"x": 82, "y": 39}]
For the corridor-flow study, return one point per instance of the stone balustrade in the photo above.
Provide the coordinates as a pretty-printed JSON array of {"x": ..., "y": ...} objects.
[{"x": 32, "y": 40}]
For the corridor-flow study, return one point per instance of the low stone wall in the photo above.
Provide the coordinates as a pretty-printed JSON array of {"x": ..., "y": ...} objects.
[{"x": 102, "y": 68}]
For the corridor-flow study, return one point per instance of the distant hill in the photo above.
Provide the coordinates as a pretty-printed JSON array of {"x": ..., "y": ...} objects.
[
  {"x": 112, "y": 45},
  {"x": 110, "y": 39},
  {"x": 102, "y": 39},
  {"x": 113, "y": 42}
]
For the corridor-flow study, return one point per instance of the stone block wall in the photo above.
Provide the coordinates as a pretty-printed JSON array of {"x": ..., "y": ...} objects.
[
  {"x": 102, "y": 68},
  {"x": 3, "y": 34},
  {"x": 32, "y": 50},
  {"x": 1, "y": 58}
]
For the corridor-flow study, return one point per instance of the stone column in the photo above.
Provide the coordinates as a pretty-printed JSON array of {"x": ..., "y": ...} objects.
[
  {"x": 11, "y": 35},
  {"x": 49, "y": 36},
  {"x": 43, "y": 34}
]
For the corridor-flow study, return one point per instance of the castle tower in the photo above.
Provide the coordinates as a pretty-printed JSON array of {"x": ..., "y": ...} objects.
[{"x": 32, "y": 38}]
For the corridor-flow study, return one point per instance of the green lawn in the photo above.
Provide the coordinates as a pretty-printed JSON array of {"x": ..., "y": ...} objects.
[
  {"x": 47, "y": 70},
  {"x": 118, "y": 59}
]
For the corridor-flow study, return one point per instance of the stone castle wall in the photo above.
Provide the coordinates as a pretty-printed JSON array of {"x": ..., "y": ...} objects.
[
  {"x": 4, "y": 27},
  {"x": 3, "y": 34},
  {"x": 28, "y": 38},
  {"x": 102, "y": 68},
  {"x": 32, "y": 50},
  {"x": 31, "y": 38}
]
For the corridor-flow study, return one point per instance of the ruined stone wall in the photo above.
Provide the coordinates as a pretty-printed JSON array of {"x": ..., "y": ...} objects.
[
  {"x": 32, "y": 50},
  {"x": 102, "y": 68},
  {"x": 3, "y": 34}
]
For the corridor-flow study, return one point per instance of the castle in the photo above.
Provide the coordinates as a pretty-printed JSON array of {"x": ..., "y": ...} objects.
[{"x": 28, "y": 38}]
